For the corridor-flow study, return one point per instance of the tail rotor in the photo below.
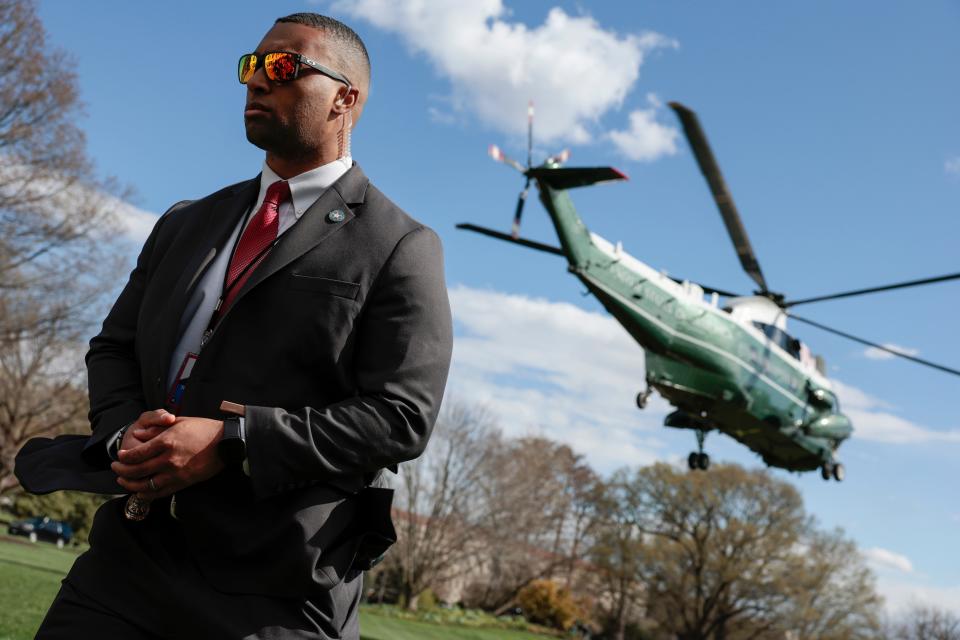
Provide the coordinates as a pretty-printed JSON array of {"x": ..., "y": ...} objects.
[
  {"x": 551, "y": 174},
  {"x": 522, "y": 200},
  {"x": 553, "y": 161},
  {"x": 497, "y": 154}
]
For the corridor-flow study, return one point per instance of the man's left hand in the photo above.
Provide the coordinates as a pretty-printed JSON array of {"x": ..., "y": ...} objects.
[{"x": 183, "y": 455}]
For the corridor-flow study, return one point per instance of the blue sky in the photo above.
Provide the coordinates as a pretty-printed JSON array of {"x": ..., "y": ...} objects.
[{"x": 835, "y": 127}]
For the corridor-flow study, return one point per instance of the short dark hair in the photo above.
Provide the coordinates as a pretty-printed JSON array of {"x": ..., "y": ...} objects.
[{"x": 351, "y": 50}]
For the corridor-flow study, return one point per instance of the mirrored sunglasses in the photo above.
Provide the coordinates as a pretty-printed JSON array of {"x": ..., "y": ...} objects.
[{"x": 282, "y": 66}]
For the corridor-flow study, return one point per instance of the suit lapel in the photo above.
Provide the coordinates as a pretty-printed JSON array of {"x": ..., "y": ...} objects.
[
  {"x": 314, "y": 226},
  {"x": 211, "y": 235}
]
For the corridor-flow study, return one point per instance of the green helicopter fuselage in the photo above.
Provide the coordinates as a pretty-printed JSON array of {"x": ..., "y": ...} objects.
[{"x": 732, "y": 369}]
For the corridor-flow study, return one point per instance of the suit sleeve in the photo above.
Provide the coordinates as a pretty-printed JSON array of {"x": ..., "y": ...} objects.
[
  {"x": 113, "y": 371},
  {"x": 404, "y": 344}
]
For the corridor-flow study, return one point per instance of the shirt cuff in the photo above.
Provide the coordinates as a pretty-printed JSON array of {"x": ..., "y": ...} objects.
[
  {"x": 113, "y": 442},
  {"x": 243, "y": 436}
]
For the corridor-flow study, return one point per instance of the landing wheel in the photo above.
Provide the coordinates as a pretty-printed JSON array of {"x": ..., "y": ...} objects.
[
  {"x": 826, "y": 472},
  {"x": 703, "y": 461},
  {"x": 642, "y": 398},
  {"x": 698, "y": 459},
  {"x": 838, "y": 472}
]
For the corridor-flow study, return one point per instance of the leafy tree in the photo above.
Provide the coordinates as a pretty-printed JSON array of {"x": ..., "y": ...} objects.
[
  {"x": 831, "y": 591},
  {"x": 731, "y": 554},
  {"x": 619, "y": 556}
]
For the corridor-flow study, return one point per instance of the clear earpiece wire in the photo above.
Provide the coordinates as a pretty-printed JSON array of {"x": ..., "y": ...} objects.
[{"x": 343, "y": 136}]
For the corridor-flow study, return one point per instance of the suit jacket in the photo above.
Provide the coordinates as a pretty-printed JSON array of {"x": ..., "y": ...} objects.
[{"x": 338, "y": 344}]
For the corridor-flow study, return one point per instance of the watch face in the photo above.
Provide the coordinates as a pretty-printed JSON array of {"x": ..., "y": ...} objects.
[
  {"x": 231, "y": 428},
  {"x": 231, "y": 447},
  {"x": 232, "y": 450}
]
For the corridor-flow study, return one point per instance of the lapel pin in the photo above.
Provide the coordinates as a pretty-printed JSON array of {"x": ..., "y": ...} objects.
[{"x": 336, "y": 216}]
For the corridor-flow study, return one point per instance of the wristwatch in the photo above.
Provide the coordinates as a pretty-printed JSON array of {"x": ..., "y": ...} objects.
[{"x": 232, "y": 447}]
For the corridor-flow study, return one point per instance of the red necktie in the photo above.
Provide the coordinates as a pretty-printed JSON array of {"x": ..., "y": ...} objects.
[{"x": 255, "y": 241}]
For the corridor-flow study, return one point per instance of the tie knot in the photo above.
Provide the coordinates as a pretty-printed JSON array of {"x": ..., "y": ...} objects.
[{"x": 277, "y": 192}]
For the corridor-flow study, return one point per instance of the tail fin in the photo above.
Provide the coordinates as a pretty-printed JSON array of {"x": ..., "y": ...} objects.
[{"x": 572, "y": 177}]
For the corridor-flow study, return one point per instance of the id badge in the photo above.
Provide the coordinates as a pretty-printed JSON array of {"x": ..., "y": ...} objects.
[{"x": 179, "y": 386}]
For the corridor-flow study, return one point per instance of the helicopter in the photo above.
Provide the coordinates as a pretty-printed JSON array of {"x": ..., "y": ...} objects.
[{"x": 732, "y": 367}]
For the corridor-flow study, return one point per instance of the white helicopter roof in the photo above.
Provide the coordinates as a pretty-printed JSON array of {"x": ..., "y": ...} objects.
[{"x": 758, "y": 309}]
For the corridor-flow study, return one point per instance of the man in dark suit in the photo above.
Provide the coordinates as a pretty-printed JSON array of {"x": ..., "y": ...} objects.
[{"x": 279, "y": 343}]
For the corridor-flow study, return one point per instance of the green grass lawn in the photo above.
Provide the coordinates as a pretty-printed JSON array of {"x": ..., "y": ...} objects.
[
  {"x": 374, "y": 627},
  {"x": 30, "y": 577}
]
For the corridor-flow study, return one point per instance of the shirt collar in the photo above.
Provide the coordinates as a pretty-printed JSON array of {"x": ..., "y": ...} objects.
[{"x": 306, "y": 188}]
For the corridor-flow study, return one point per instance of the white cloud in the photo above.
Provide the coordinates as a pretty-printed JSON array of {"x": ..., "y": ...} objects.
[
  {"x": 885, "y": 559},
  {"x": 872, "y": 420},
  {"x": 902, "y": 595},
  {"x": 952, "y": 166},
  {"x": 56, "y": 195},
  {"x": 570, "y": 66},
  {"x": 879, "y": 354},
  {"x": 554, "y": 368},
  {"x": 137, "y": 223},
  {"x": 646, "y": 139}
]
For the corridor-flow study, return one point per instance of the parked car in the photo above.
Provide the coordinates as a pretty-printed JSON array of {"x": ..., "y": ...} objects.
[{"x": 42, "y": 529}]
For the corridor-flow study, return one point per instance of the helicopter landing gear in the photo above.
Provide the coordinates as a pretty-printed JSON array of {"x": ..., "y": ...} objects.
[
  {"x": 642, "y": 397},
  {"x": 833, "y": 470},
  {"x": 699, "y": 459}
]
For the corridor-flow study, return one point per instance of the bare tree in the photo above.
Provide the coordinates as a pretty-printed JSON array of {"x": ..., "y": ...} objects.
[
  {"x": 438, "y": 503},
  {"x": 540, "y": 510},
  {"x": 40, "y": 392},
  {"x": 57, "y": 237},
  {"x": 926, "y": 623}
]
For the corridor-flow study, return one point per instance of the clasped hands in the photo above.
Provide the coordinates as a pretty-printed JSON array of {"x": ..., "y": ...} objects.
[{"x": 172, "y": 452}]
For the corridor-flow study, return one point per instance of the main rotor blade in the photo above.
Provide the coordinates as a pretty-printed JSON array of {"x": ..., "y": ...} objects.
[
  {"x": 721, "y": 194},
  {"x": 530, "y": 244},
  {"x": 719, "y": 292},
  {"x": 886, "y": 287},
  {"x": 894, "y": 352}
]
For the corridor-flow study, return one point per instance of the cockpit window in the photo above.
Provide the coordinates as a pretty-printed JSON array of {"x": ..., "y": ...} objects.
[{"x": 780, "y": 337}]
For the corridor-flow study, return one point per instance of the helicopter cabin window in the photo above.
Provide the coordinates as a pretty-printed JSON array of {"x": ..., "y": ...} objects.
[{"x": 780, "y": 337}]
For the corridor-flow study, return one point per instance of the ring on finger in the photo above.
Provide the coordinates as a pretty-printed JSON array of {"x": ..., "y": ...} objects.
[{"x": 153, "y": 485}]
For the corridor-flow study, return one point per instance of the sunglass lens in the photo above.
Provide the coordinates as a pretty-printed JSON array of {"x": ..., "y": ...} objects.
[
  {"x": 248, "y": 65},
  {"x": 280, "y": 66}
]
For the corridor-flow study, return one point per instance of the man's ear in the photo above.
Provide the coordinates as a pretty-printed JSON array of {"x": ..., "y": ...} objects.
[{"x": 346, "y": 100}]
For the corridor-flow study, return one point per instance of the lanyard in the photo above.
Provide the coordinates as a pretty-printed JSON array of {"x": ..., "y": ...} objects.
[{"x": 226, "y": 288}]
